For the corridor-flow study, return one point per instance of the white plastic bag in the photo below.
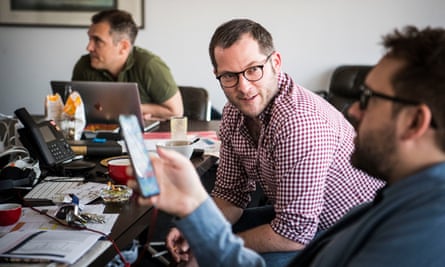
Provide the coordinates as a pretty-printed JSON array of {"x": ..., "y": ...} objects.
[
  {"x": 73, "y": 117},
  {"x": 54, "y": 108}
]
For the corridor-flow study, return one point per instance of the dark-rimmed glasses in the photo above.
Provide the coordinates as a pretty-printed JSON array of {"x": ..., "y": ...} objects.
[
  {"x": 252, "y": 74},
  {"x": 366, "y": 93}
]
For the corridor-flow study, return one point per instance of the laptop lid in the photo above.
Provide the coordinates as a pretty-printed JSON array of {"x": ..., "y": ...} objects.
[
  {"x": 105, "y": 101},
  {"x": 62, "y": 88}
]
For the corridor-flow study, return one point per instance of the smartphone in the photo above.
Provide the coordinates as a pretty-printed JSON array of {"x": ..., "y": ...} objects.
[{"x": 140, "y": 160}]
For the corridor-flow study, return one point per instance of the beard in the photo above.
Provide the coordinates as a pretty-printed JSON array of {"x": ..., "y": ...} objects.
[{"x": 373, "y": 153}]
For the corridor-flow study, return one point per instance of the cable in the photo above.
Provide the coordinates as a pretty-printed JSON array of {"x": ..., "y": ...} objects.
[
  {"x": 153, "y": 220},
  {"x": 151, "y": 228},
  {"x": 79, "y": 227},
  {"x": 15, "y": 150}
]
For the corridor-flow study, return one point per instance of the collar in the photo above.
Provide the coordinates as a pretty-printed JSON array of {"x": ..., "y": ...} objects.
[
  {"x": 423, "y": 180},
  {"x": 130, "y": 61}
]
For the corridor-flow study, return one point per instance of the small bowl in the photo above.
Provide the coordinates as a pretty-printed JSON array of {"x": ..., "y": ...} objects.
[
  {"x": 10, "y": 213},
  {"x": 182, "y": 146},
  {"x": 117, "y": 169},
  {"x": 116, "y": 193}
]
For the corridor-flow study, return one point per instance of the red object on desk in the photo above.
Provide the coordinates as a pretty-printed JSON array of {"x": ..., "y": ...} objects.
[{"x": 10, "y": 213}]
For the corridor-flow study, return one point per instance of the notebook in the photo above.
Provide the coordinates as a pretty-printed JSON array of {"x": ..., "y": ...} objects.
[{"x": 105, "y": 101}]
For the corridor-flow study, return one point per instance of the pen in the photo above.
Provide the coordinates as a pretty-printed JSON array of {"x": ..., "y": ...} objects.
[
  {"x": 157, "y": 243},
  {"x": 64, "y": 179},
  {"x": 159, "y": 254}
]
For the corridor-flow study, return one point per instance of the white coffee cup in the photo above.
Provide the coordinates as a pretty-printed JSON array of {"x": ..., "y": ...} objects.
[{"x": 184, "y": 147}]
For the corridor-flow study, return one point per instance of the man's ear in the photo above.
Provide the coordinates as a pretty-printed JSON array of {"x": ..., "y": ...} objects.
[
  {"x": 125, "y": 46},
  {"x": 276, "y": 61},
  {"x": 419, "y": 121}
]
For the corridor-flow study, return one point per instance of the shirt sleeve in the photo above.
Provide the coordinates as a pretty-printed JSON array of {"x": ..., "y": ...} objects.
[
  {"x": 232, "y": 183},
  {"x": 212, "y": 241}
]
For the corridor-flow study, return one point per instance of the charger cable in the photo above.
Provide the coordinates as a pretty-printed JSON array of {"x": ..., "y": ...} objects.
[{"x": 83, "y": 227}]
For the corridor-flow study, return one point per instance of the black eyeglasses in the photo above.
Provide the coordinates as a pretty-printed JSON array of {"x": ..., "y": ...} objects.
[
  {"x": 366, "y": 93},
  {"x": 252, "y": 74}
]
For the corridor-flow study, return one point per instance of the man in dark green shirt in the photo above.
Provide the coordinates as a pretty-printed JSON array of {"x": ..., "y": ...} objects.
[{"x": 113, "y": 57}]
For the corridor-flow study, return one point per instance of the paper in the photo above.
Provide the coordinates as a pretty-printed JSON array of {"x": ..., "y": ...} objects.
[
  {"x": 166, "y": 135},
  {"x": 33, "y": 221},
  {"x": 60, "y": 246},
  {"x": 208, "y": 141},
  {"x": 36, "y": 236}
]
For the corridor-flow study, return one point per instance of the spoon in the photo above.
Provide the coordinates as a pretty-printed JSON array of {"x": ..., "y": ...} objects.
[{"x": 196, "y": 139}]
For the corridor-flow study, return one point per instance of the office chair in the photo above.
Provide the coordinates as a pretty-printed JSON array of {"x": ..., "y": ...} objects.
[
  {"x": 196, "y": 103},
  {"x": 345, "y": 83}
]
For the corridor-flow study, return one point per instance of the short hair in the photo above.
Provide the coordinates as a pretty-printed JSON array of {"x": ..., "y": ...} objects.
[
  {"x": 230, "y": 32},
  {"x": 121, "y": 24},
  {"x": 422, "y": 76}
]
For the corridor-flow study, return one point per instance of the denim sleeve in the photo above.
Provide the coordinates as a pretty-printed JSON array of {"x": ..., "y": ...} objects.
[{"x": 212, "y": 241}]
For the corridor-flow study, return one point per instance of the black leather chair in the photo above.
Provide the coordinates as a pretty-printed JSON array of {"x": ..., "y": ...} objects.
[
  {"x": 345, "y": 84},
  {"x": 196, "y": 103}
]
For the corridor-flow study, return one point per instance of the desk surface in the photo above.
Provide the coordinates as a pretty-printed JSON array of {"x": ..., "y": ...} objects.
[
  {"x": 133, "y": 218},
  {"x": 192, "y": 125}
]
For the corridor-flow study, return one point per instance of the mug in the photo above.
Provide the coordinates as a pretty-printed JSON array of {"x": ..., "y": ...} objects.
[{"x": 10, "y": 213}]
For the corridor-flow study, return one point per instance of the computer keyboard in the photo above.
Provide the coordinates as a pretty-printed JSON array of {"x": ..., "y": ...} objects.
[
  {"x": 48, "y": 190},
  {"x": 53, "y": 191}
]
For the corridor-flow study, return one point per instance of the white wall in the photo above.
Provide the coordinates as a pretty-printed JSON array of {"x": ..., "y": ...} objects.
[{"x": 313, "y": 36}]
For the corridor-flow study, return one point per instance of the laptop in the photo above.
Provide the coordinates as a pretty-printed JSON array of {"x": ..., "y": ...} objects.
[{"x": 105, "y": 101}]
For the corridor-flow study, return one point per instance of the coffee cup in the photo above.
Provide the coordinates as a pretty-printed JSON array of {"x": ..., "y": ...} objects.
[
  {"x": 118, "y": 170},
  {"x": 10, "y": 213},
  {"x": 184, "y": 147}
]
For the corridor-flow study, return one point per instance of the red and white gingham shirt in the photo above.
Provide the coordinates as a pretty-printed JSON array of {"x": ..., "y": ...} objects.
[{"x": 302, "y": 162}]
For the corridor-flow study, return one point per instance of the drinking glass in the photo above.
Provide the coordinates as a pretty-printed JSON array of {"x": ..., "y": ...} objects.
[{"x": 178, "y": 128}]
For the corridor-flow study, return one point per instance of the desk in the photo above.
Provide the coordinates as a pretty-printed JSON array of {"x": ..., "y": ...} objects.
[
  {"x": 193, "y": 125},
  {"x": 134, "y": 219}
]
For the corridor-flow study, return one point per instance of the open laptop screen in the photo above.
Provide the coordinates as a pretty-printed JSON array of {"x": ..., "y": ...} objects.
[{"x": 105, "y": 101}]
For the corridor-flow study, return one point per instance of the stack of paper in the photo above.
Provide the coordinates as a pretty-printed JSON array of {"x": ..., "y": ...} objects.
[
  {"x": 60, "y": 246},
  {"x": 36, "y": 237}
]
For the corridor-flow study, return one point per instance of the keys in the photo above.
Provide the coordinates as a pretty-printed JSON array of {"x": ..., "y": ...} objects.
[{"x": 93, "y": 218}]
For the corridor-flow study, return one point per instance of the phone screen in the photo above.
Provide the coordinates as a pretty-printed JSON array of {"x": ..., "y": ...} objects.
[
  {"x": 48, "y": 136},
  {"x": 142, "y": 168}
]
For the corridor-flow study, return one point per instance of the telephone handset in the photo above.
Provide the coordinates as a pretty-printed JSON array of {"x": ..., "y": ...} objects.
[{"x": 44, "y": 139}]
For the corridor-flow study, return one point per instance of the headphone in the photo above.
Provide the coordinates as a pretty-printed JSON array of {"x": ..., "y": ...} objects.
[{"x": 21, "y": 170}]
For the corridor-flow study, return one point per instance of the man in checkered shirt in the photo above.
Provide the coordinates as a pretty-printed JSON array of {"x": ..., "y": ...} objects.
[{"x": 290, "y": 141}]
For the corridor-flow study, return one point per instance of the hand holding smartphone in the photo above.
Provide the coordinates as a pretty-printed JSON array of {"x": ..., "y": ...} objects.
[{"x": 140, "y": 160}]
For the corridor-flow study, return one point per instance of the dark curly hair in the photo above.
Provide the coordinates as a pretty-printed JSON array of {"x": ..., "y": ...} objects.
[{"x": 422, "y": 76}]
